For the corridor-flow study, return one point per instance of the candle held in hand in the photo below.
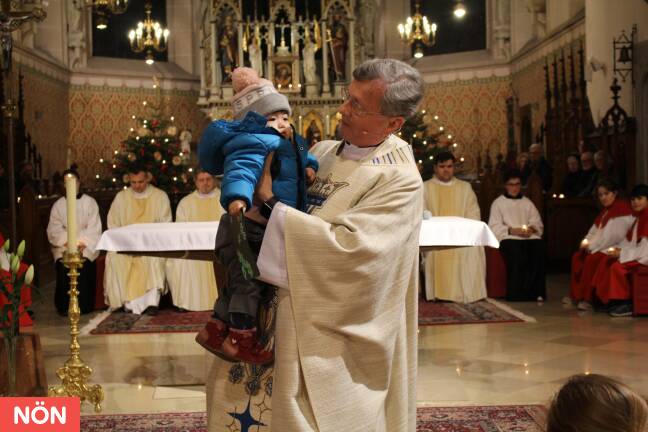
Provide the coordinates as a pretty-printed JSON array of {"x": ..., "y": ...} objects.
[{"x": 70, "y": 199}]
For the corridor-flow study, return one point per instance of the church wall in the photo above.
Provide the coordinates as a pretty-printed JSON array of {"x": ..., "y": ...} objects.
[
  {"x": 604, "y": 22},
  {"x": 47, "y": 117},
  {"x": 474, "y": 111},
  {"x": 100, "y": 118},
  {"x": 46, "y": 114},
  {"x": 528, "y": 76}
]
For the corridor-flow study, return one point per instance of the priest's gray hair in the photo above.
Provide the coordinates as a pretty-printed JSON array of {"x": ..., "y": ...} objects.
[{"x": 404, "y": 89}]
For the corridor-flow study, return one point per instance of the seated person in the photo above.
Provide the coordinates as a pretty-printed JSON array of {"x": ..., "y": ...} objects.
[
  {"x": 596, "y": 403},
  {"x": 518, "y": 226},
  {"x": 611, "y": 280},
  {"x": 89, "y": 229},
  {"x": 609, "y": 228},
  {"x": 573, "y": 181},
  {"x": 588, "y": 173}
]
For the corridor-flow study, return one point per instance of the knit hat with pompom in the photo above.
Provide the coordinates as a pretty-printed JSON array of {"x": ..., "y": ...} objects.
[{"x": 252, "y": 93}]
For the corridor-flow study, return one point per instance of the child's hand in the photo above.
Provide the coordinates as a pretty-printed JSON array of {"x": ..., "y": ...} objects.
[
  {"x": 235, "y": 207},
  {"x": 310, "y": 176}
]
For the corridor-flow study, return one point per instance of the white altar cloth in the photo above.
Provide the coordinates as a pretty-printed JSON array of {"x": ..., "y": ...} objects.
[{"x": 201, "y": 236}]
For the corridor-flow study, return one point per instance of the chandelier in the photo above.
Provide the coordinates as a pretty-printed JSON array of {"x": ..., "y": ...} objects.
[
  {"x": 418, "y": 32},
  {"x": 148, "y": 36},
  {"x": 103, "y": 8}
]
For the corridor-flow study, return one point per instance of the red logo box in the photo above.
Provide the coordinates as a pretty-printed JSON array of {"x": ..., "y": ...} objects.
[{"x": 40, "y": 414}]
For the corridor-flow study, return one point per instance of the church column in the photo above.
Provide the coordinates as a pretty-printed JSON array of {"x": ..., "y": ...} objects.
[
  {"x": 351, "y": 55},
  {"x": 325, "y": 75},
  {"x": 215, "y": 90},
  {"x": 271, "y": 52},
  {"x": 240, "y": 44},
  {"x": 201, "y": 65}
]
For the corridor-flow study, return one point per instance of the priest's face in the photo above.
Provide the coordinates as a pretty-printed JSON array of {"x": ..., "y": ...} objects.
[
  {"x": 362, "y": 122},
  {"x": 444, "y": 171},
  {"x": 513, "y": 187},
  {"x": 204, "y": 183},
  {"x": 639, "y": 203},
  {"x": 138, "y": 181}
]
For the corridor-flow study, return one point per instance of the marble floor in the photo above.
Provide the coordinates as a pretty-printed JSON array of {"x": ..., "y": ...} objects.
[{"x": 478, "y": 364}]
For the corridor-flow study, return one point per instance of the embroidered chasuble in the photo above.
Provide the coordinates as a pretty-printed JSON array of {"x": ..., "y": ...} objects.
[
  {"x": 193, "y": 283},
  {"x": 130, "y": 278},
  {"x": 459, "y": 274},
  {"x": 345, "y": 335}
]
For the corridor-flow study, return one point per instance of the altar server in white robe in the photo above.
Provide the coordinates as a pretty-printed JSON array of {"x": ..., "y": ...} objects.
[
  {"x": 89, "y": 232},
  {"x": 347, "y": 272},
  {"x": 518, "y": 227},
  {"x": 136, "y": 283},
  {"x": 193, "y": 283},
  {"x": 457, "y": 275}
]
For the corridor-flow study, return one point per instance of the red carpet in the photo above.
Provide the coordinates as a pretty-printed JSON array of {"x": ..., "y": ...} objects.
[
  {"x": 522, "y": 418},
  {"x": 481, "y": 312},
  {"x": 166, "y": 321},
  {"x": 172, "y": 321}
]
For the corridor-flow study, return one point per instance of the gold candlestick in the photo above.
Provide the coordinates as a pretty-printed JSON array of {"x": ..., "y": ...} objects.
[{"x": 75, "y": 372}]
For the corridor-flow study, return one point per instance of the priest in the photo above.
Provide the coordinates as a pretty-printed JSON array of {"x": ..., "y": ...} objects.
[
  {"x": 89, "y": 226},
  {"x": 347, "y": 272},
  {"x": 193, "y": 283},
  {"x": 136, "y": 283},
  {"x": 457, "y": 275}
]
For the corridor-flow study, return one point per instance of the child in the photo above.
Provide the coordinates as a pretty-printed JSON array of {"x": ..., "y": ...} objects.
[
  {"x": 596, "y": 403},
  {"x": 611, "y": 280},
  {"x": 238, "y": 150}
]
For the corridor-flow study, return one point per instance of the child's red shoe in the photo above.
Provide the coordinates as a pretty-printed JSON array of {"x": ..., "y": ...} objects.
[
  {"x": 243, "y": 345},
  {"x": 212, "y": 336}
]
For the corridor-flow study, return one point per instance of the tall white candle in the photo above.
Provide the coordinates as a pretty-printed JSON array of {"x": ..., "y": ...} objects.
[
  {"x": 328, "y": 125},
  {"x": 299, "y": 130},
  {"x": 70, "y": 198}
]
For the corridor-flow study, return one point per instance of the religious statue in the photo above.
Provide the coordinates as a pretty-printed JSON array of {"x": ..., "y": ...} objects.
[
  {"x": 313, "y": 134},
  {"x": 339, "y": 40},
  {"x": 228, "y": 46},
  {"x": 256, "y": 56},
  {"x": 76, "y": 36},
  {"x": 185, "y": 142},
  {"x": 308, "y": 53}
]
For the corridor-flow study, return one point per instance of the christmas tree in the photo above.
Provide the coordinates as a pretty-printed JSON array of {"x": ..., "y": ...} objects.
[
  {"x": 428, "y": 137},
  {"x": 152, "y": 145}
]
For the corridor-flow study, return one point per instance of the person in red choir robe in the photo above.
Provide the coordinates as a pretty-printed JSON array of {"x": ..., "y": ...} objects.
[
  {"x": 609, "y": 228},
  {"x": 25, "y": 293},
  {"x": 611, "y": 280}
]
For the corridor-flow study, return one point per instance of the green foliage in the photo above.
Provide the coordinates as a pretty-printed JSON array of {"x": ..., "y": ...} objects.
[
  {"x": 152, "y": 146},
  {"x": 428, "y": 138}
]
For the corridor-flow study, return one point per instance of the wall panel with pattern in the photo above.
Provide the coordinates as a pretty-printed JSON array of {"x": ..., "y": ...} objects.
[{"x": 100, "y": 118}]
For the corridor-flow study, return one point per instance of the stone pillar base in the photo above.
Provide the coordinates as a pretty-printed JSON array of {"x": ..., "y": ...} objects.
[{"x": 311, "y": 90}]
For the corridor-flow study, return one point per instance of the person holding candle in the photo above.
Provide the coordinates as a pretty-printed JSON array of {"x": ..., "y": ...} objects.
[
  {"x": 609, "y": 228},
  {"x": 611, "y": 281},
  {"x": 136, "y": 283},
  {"x": 518, "y": 226},
  {"x": 84, "y": 227}
]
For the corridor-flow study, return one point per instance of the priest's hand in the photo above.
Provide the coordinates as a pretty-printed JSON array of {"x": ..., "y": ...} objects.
[
  {"x": 310, "y": 176},
  {"x": 263, "y": 190},
  {"x": 235, "y": 207},
  {"x": 81, "y": 246}
]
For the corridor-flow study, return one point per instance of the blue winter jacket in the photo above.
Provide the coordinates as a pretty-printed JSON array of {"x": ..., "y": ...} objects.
[{"x": 237, "y": 149}]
